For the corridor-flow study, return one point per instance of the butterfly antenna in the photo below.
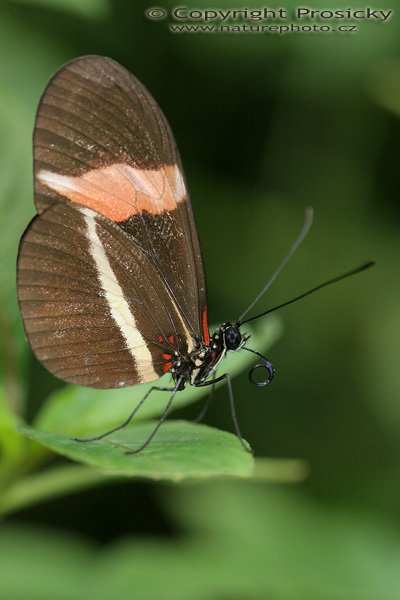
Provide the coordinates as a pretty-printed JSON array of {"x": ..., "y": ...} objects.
[
  {"x": 308, "y": 219},
  {"x": 366, "y": 265}
]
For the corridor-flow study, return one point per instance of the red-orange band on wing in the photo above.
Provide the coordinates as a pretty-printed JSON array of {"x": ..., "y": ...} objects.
[
  {"x": 120, "y": 191},
  {"x": 206, "y": 335}
]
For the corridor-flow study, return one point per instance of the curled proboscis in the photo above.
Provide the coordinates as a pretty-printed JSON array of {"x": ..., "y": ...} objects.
[{"x": 265, "y": 364}]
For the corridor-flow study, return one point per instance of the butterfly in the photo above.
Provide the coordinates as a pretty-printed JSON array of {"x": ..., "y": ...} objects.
[{"x": 110, "y": 276}]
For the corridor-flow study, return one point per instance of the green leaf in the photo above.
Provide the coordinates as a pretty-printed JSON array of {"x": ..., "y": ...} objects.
[
  {"x": 60, "y": 480},
  {"x": 11, "y": 444},
  {"x": 82, "y": 411},
  {"x": 43, "y": 565},
  {"x": 281, "y": 470},
  {"x": 239, "y": 540},
  {"x": 50, "y": 483},
  {"x": 276, "y": 542},
  {"x": 17, "y": 454},
  {"x": 179, "y": 451}
]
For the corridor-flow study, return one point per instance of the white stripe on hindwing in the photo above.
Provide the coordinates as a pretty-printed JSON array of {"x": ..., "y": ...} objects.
[{"x": 117, "y": 304}]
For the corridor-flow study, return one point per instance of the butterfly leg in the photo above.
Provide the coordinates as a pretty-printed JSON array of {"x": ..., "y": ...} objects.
[
  {"x": 128, "y": 420},
  {"x": 228, "y": 380},
  {"x": 207, "y": 403},
  {"x": 160, "y": 422}
]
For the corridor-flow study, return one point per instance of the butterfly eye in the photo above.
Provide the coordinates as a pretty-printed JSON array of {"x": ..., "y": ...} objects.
[{"x": 232, "y": 337}]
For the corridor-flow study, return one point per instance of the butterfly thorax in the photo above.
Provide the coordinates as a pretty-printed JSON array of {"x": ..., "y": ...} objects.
[{"x": 203, "y": 361}]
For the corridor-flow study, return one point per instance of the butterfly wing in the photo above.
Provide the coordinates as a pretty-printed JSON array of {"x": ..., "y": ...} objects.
[
  {"x": 102, "y": 141},
  {"x": 92, "y": 304},
  {"x": 110, "y": 273}
]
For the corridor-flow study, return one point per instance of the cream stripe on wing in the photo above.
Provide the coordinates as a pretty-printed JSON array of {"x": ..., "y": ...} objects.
[{"x": 118, "y": 306}]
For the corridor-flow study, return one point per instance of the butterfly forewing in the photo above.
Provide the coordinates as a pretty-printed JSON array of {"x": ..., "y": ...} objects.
[{"x": 110, "y": 271}]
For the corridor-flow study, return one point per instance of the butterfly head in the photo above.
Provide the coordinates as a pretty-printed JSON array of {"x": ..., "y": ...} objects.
[{"x": 206, "y": 359}]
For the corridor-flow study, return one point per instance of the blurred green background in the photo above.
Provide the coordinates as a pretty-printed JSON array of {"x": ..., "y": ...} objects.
[{"x": 266, "y": 125}]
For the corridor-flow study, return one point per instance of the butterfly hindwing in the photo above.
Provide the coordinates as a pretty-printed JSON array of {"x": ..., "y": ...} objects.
[{"x": 94, "y": 309}]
